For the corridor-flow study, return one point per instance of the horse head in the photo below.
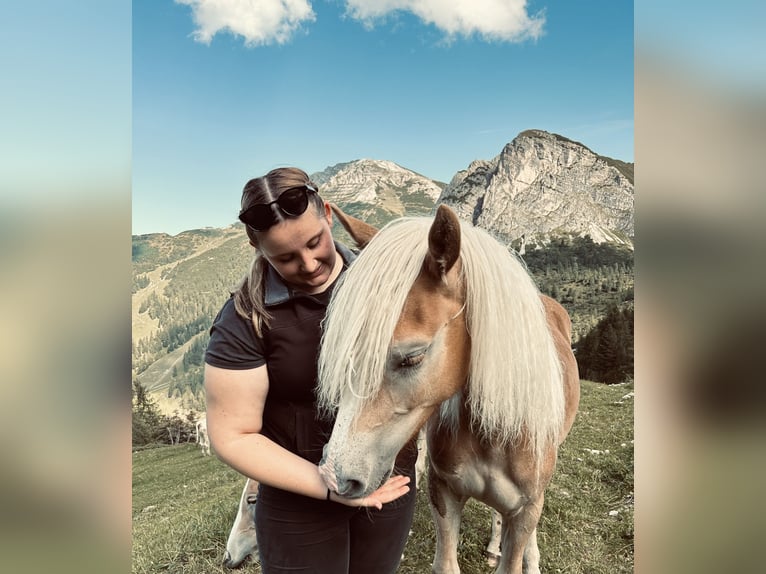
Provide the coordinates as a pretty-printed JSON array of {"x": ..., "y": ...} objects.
[{"x": 392, "y": 379}]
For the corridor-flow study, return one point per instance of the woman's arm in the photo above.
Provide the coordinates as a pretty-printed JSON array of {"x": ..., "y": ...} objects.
[{"x": 235, "y": 401}]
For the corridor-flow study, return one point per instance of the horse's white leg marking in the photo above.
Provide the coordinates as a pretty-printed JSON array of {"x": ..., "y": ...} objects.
[
  {"x": 493, "y": 548},
  {"x": 420, "y": 463},
  {"x": 203, "y": 440},
  {"x": 446, "y": 510},
  {"x": 532, "y": 555}
]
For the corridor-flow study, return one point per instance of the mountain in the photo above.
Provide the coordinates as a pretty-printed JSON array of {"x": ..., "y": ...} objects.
[
  {"x": 179, "y": 285},
  {"x": 377, "y": 191},
  {"x": 543, "y": 185}
]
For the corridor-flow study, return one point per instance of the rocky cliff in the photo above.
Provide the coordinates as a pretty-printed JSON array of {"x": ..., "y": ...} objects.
[
  {"x": 543, "y": 184},
  {"x": 377, "y": 190}
]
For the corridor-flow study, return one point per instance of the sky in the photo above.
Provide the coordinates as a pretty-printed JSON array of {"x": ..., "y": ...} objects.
[{"x": 226, "y": 90}]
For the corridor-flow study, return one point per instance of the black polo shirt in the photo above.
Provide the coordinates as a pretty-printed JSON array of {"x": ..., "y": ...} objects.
[{"x": 289, "y": 348}]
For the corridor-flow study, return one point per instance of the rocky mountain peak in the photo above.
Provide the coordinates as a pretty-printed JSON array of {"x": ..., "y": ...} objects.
[
  {"x": 368, "y": 180},
  {"x": 379, "y": 190},
  {"x": 543, "y": 184}
]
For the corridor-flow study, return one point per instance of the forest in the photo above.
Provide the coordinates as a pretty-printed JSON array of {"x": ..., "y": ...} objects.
[{"x": 593, "y": 281}]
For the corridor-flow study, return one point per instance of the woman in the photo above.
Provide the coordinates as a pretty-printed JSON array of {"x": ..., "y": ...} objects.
[{"x": 260, "y": 375}]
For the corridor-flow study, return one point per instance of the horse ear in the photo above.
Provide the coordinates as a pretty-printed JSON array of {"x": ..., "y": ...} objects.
[
  {"x": 359, "y": 231},
  {"x": 443, "y": 242}
]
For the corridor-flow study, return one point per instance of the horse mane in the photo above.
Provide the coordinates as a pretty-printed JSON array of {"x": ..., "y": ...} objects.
[
  {"x": 364, "y": 310},
  {"x": 515, "y": 387}
]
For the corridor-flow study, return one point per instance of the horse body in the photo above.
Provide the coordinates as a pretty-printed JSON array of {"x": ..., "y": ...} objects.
[
  {"x": 467, "y": 344},
  {"x": 508, "y": 478}
]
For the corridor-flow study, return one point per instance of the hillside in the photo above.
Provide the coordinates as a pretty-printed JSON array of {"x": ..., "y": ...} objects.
[
  {"x": 180, "y": 282},
  {"x": 586, "y": 525}
]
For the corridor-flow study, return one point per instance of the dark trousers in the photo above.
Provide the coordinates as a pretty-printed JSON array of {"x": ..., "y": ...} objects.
[{"x": 320, "y": 537}]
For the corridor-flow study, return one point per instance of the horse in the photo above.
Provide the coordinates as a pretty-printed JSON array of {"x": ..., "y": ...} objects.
[
  {"x": 437, "y": 322},
  {"x": 243, "y": 541},
  {"x": 200, "y": 431}
]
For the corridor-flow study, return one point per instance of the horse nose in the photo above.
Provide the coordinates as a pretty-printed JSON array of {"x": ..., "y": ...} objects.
[{"x": 351, "y": 487}]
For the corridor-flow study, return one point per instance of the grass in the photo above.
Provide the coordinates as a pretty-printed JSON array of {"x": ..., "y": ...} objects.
[{"x": 184, "y": 504}]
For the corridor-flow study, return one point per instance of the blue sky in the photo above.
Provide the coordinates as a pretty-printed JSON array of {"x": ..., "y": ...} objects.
[{"x": 222, "y": 93}]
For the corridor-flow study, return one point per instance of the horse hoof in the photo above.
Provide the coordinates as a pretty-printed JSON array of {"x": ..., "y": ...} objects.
[{"x": 493, "y": 559}]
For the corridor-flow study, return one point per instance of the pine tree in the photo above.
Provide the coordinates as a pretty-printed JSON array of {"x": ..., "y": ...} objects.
[
  {"x": 146, "y": 416},
  {"x": 605, "y": 354}
]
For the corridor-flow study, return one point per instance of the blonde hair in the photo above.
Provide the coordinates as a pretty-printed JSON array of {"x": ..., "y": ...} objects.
[{"x": 514, "y": 388}]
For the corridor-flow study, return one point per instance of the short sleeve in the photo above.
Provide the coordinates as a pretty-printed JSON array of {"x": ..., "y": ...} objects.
[{"x": 233, "y": 343}]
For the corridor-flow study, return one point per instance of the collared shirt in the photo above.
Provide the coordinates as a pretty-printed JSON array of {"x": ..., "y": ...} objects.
[
  {"x": 233, "y": 343},
  {"x": 289, "y": 348},
  {"x": 277, "y": 291}
]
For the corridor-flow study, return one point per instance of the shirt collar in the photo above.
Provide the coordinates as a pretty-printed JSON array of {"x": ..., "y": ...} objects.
[{"x": 277, "y": 291}]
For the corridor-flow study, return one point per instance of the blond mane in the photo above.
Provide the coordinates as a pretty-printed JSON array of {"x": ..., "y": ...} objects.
[{"x": 514, "y": 389}]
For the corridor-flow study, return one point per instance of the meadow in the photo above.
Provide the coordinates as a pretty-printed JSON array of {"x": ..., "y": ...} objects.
[{"x": 184, "y": 504}]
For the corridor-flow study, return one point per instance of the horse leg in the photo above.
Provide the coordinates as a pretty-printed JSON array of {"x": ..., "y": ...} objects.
[
  {"x": 532, "y": 555},
  {"x": 520, "y": 554},
  {"x": 446, "y": 509},
  {"x": 422, "y": 460},
  {"x": 493, "y": 548}
]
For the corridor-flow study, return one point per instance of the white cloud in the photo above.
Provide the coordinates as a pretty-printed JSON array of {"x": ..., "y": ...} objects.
[
  {"x": 259, "y": 22},
  {"x": 500, "y": 20}
]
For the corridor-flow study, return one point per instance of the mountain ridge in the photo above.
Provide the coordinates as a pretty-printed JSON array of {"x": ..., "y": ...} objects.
[
  {"x": 542, "y": 185},
  {"x": 377, "y": 190},
  {"x": 180, "y": 281},
  {"x": 539, "y": 186}
]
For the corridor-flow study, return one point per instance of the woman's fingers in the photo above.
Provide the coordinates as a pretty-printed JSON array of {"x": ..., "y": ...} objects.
[{"x": 392, "y": 489}]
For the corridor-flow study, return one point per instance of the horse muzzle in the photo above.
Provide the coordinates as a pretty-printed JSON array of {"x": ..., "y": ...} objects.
[
  {"x": 353, "y": 480},
  {"x": 349, "y": 485}
]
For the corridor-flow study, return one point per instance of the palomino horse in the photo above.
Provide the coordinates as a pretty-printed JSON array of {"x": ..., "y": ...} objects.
[
  {"x": 436, "y": 321},
  {"x": 243, "y": 541},
  {"x": 200, "y": 431}
]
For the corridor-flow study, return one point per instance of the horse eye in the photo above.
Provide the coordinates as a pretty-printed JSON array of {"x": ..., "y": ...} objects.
[{"x": 413, "y": 360}]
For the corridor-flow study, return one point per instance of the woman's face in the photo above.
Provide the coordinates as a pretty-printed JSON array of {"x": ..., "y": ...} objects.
[{"x": 302, "y": 250}]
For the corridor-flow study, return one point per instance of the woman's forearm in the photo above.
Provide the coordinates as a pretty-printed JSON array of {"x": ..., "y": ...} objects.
[
  {"x": 235, "y": 401},
  {"x": 261, "y": 459}
]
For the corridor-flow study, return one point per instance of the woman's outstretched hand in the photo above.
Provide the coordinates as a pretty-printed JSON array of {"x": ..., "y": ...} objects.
[{"x": 392, "y": 489}]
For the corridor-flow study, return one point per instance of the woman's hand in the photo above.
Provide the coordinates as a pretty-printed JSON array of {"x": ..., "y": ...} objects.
[{"x": 392, "y": 489}]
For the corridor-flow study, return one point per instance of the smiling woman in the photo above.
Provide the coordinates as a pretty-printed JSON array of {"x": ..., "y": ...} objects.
[{"x": 260, "y": 380}]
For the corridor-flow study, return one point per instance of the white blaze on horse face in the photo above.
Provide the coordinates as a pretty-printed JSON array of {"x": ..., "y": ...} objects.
[
  {"x": 425, "y": 366},
  {"x": 359, "y": 458},
  {"x": 430, "y": 350},
  {"x": 242, "y": 541}
]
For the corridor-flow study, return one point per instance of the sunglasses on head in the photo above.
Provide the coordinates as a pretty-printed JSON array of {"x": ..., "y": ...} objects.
[{"x": 292, "y": 203}]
